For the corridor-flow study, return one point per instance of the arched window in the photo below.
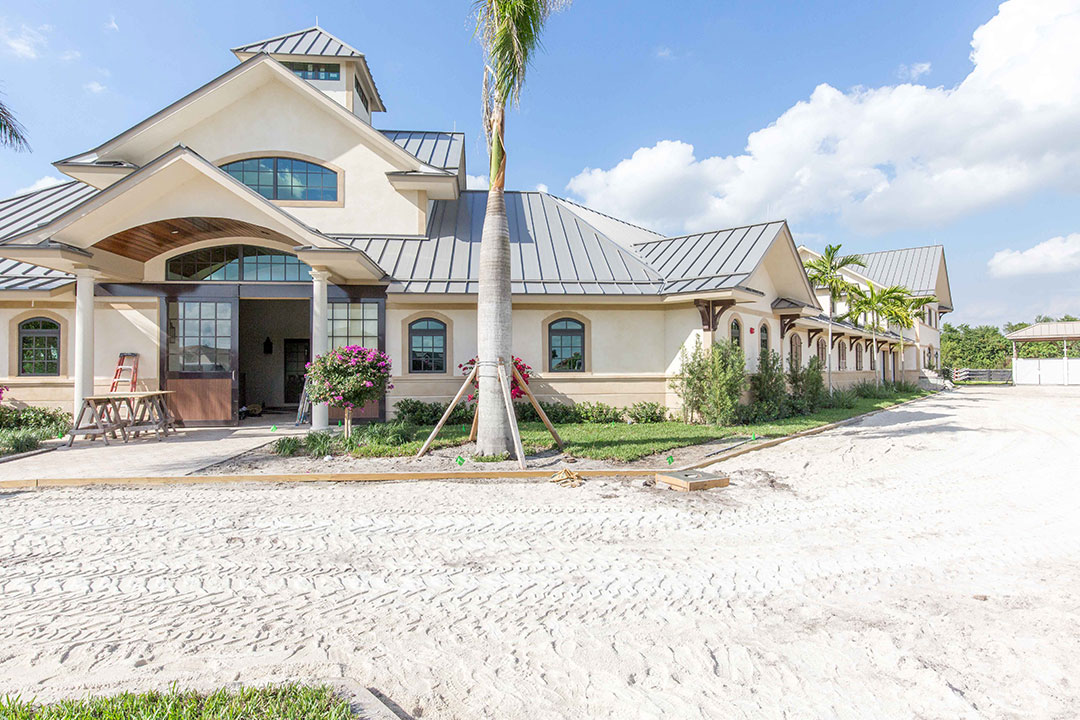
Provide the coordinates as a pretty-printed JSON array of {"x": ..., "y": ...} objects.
[
  {"x": 279, "y": 178},
  {"x": 566, "y": 345},
  {"x": 237, "y": 263},
  {"x": 764, "y": 339},
  {"x": 858, "y": 356},
  {"x": 822, "y": 352},
  {"x": 842, "y": 361},
  {"x": 39, "y": 347},
  {"x": 427, "y": 346},
  {"x": 796, "y": 351},
  {"x": 736, "y": 333}
]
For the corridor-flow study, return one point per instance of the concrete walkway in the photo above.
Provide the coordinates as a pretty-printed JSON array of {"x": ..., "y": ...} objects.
[{"x": 185, "y": 453}]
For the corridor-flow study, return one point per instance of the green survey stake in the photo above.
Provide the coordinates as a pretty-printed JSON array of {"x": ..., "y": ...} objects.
[{"x": 460, "y": 460}]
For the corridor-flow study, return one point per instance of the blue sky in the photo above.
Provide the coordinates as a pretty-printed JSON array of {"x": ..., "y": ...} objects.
[{"x": 868, "y": 124}]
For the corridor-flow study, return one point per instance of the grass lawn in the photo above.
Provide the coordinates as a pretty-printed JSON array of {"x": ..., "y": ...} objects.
[
  {"x": 287, "y": 702},
  {"x": 621, "y": 441}
]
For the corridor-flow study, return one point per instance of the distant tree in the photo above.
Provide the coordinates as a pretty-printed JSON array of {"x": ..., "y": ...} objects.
[
  {"x": 1042, "y": 349},
  {"x": 826, "y": 271},
  {"x": 963, "y": 346}
]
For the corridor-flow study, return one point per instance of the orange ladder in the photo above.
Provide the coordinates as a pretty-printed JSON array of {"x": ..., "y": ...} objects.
[{"x": 123, "y": 367}]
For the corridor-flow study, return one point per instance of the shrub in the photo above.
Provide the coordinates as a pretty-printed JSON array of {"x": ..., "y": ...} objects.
[
  {"x": 710, "y": 382},
  {"x": 846, "y": 399},
  {"x": 807, "y": 388},
  {"x": 13, "y": 442},
  {"x": 871, "y": 389},
  {"x": 902, "y": 387},
  {"x": 287, "y": 446},
  {"x": 418, "y": 412},
  {"x": 396, "y": 432},
  {"x": 319, "y": 444},
  {"x": 597, "y": 412},
  {"x": 349, "y": 377},
  {"x": 525, "y": 371},
  {"x": 557, "y": 412},
  {"x": 768, "y": 390},
  {"x": 47, "y": 422},
  {"x": 647, "y": 412}
]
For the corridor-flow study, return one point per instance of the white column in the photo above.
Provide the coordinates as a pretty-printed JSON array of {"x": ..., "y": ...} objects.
[
  {"x": 320, "y": 338},
  {"x": 84, "y": 335}
]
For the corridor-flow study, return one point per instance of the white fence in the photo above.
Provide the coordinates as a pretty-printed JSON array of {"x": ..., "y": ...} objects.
[{"x": 1046, "y": 371}]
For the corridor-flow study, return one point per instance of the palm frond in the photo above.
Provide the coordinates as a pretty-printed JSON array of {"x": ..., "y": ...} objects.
[
  {"x": 510, "y": 32},
  {"x": 12, "y": 133}
]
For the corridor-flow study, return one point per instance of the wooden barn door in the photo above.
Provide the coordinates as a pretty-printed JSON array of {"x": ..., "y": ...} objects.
[{"x": 201, "y": 360}]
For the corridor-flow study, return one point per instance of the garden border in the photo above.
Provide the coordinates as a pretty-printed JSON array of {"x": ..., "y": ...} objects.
[{"x": 433, "y": 475}]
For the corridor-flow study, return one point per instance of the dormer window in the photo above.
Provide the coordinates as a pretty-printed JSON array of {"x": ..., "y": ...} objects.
[
  {"x": 278, "y": 178},
  {"x": 315, "y": 71},
  {"x": 360, "y": 93}
]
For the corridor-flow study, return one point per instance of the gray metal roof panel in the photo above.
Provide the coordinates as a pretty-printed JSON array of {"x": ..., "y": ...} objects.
[
  {"x": 553, "y": 251},
  {"x": 310, "y": 41},
  {"x": 25, "y": 212},
  {"x": 438, "y": 149},
  {"x": 913, "y": 268},
  {"x": 15, "y": 275}
]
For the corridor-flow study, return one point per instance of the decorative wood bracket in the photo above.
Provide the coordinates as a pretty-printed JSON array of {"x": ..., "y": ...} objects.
[
  {"x": 811, "y": 334},
  {"x": 710, "y": 311},
  {"x": 786, "y": 323},
  {"x": 836, "y": 336}
]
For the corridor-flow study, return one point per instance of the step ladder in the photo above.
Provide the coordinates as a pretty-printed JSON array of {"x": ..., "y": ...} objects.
[
  {"x": 303, "y": 412},
  {"x": 131, "y": 369}
]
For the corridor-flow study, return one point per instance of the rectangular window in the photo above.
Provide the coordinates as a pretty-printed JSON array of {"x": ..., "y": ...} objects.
[
  {"x": 567, "y": 352},
  {"x": 354, "y": 323},
  {"x": 315, "y": 71},
  {"x": 200, "y": 336},
  {"x": 361, "y": 93},
  {"x": 39, "y": 355}
]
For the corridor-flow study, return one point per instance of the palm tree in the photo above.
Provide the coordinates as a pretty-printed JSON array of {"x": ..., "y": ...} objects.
[
  {"x": 510, "y": 32},
  {"x": 12, "y": 133},
  {"x": 903, "y": 312},
  {"x": 824, "y": 271},
  {"x": 874, "y": 304}
]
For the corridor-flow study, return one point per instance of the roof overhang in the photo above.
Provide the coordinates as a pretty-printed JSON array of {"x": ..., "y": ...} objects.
[
  {"x": 345, "y": 263},
  {"x": 438, "y": 186}
]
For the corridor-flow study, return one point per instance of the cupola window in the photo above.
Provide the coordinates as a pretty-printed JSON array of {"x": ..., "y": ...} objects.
[{"x": 315, "y": 71}]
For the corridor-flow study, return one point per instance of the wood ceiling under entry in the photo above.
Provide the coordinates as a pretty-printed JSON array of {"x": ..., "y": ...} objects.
[{"x": 144, "y": 242}]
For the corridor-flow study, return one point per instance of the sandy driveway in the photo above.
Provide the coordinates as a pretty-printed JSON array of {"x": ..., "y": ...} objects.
[{"x": 925, "y": 563}]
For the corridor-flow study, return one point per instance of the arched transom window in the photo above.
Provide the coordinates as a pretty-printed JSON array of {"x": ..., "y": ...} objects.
[
  {"x": 566, "y": 345},
  {"x": 39, "y": 347},
  {"x": 427, "y": 346},
  {"x": 237, "y": 263},
  {"x": 279, "y": 178}
]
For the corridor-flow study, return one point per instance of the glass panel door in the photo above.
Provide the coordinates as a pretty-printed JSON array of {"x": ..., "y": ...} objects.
[{"x": 200, "y": 360}]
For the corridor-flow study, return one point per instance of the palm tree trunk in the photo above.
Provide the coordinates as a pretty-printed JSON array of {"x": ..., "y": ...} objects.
[
  {"x": 828, "y": 350},
  {"x": 493, "y": 307}
]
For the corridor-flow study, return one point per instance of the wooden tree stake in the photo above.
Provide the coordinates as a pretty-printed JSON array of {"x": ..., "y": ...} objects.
[
  {"x": 449, "y": 409},
  {"x": 536, "y": 406},
  {"x": 508, "y": 400}
]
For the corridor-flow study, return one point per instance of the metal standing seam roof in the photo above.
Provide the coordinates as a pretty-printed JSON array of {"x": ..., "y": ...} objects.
[
  {"x": 1046, "y": 331},
  {"x": 15, "y": 275},
  {"x": 709, "y": 261},
  {"x": 553, "y": 251},
  {"x": 442, "y": 150},
  {"x": 310, "y": 41},
  {"x": 913, "y": 268},
  {"x": 25, "y": 212}
]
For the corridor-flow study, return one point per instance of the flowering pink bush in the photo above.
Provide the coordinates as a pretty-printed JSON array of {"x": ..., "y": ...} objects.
[
  {"x": 349, "y": 377},
  {"x": 3, "y": 389},
  {"x": 515, "y": 389}
]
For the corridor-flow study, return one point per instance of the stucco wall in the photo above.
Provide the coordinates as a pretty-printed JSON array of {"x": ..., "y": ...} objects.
[{"x": 119, "y": 326}]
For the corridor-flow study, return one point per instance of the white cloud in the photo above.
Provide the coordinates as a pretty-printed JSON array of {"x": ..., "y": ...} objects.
[
  {"x": 476, "y": 182},
  {"x": 27, "y": 42},
  {"x": 70, "y": 55},
  {"x": 1056, "y": 255},
  {"x": 111, "y": 25},
  {"x": 914, "y": 71},
  {"x": 94, "y": 87},
  {"x": 39, "y": 184},
  {"x": 541, "y": 187},
  {"x": 663, "y": 52},
  {"x": 883, "y": 158}
]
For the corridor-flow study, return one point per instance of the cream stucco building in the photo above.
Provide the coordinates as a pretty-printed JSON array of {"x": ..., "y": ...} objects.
[{"x": 263, "y": 218}]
